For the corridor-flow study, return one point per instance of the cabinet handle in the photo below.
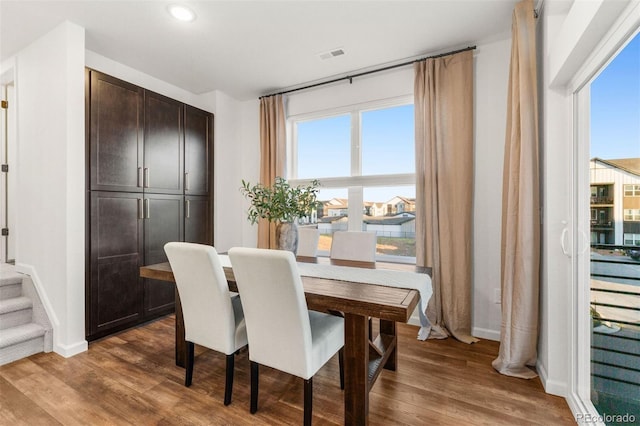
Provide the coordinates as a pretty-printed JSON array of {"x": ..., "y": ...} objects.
[
  {"x": 140, "y": 209},
  {"x": 146, "y": 177},
  {"x": 147, "y": 208},
  {"x": 186, "y": 181},
  {"x": 140, "y": 178},
  {"x": 187, "y": 208}
]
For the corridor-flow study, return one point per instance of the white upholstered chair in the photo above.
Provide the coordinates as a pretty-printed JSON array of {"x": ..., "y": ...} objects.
[
  {"x": 213, "y": 316},
  {"x": 283, "y": 334},
  {"x": 308, "y": 239},
  {"x": 354, "y": 246}
]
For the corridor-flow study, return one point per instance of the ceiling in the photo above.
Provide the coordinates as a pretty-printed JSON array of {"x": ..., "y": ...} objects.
[{"x": 251, "y": 48}]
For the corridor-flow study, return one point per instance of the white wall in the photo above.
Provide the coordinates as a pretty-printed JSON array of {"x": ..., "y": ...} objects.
[
  {"x": 50, "y": 173},
  {"x": 236, "y": 158},
  {"x": 492, "y": 76}
]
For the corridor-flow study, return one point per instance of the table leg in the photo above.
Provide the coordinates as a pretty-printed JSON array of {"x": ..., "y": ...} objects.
[
  {"x": 356, "y": 369},
  {"x": 389, "y": 328},
  {"x": 181, "y": 345}
]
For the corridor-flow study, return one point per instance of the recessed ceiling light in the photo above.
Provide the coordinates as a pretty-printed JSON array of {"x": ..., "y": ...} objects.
[{"x": 182, "y": 13}]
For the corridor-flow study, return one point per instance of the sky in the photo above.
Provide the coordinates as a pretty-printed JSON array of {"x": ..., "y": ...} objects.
[
  {"x": 387, "y": 147},
  {"x": 615, "y": 106}
]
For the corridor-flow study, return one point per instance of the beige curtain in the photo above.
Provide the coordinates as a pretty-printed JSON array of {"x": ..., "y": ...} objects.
[
  {"x": 272, "y": 157},
  {"x": 443, "y": 97},
  {"x": 520, "y": 205}
]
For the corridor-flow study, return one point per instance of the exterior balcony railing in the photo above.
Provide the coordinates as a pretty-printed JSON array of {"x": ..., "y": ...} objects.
[
  {"x": 602, "y": 223},
  {"x": 615, "y": 340},
  {"x": 602, "y": 200}
]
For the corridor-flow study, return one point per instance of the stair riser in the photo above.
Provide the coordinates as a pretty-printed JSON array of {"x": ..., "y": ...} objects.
[
  {"x": 21, "y": 350},
  {"x": 15, "y": 318},
  {"x": 10, "y": 291}
]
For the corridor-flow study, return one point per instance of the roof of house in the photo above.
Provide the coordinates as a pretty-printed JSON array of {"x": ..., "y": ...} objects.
[
  {"x": 330, "y": 219},
  {"x": 629, "y": 165},
  {"x": 396, "y": 220}
]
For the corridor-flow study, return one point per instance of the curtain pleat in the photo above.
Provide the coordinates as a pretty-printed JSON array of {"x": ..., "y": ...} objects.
[
  {"x": 443, "y": 101},
  {"x": 272, "y": 157},
  {"x": 520, "y": 205}
]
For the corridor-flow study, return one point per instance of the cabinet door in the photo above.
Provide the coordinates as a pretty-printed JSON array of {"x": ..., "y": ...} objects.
[
  {"x": 116, "y": 134},
  {"x": 115, "y": 289},
  {"x": 197, "y": 220},
  {"x": 198, "y": 131},
  {"x": 163, "y": 144},
  {"x": 163, "y": 223}
]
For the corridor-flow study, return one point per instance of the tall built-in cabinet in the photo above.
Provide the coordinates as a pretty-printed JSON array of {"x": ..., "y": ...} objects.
[{"x": 149, "y": 180}]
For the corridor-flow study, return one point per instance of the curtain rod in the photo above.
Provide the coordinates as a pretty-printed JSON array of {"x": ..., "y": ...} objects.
[{"x": 360, "y": 74}]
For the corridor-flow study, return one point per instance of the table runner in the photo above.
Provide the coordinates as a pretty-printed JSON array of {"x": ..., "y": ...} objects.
[{"x": 390, "y": 278}]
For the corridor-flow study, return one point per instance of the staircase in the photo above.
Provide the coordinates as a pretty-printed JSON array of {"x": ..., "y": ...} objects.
[{"x": 24, "y": 327}]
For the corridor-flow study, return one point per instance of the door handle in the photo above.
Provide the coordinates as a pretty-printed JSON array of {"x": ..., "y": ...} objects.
[
  {"x": 140, "y": 209},
  {"x": 146, "y": 177},
  {"x": 186, "y": 181},
  {"x": 187, "y": 208},
  {"x": 140, "y": 177},
  {"x": 565, "y": 231},
  {"x": 147, "y": 208}
]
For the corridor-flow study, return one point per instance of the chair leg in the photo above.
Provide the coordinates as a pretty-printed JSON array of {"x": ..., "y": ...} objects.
[
  {"x": 189, "y": 369},
  {"x": 308, "y": 401},
  {"x": 254, "y": 387},
  {"x": 341, "y": 365},
  {"x": 228, "y": 386}
]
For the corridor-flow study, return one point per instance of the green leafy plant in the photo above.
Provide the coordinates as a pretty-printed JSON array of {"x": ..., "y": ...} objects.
[{"x": 280, "y": 202}]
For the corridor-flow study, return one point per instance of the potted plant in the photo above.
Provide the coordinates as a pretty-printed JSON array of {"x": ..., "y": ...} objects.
[{"x": 281, "y": 204}]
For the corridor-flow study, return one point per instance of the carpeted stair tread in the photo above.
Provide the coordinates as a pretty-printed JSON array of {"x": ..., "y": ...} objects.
[
  {"x": 21, "y": 333},
  {"x": 15, "y": 304},
  {"x": 10, "y": 277}
]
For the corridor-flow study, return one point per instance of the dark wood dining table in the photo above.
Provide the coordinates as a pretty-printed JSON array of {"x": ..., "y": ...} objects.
[{"x": 364, "y": 358}]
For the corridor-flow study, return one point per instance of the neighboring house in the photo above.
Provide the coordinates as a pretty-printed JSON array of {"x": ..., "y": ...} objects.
[
  {"x": 399, "y": 205},
  {"x": 615, "y": 201},
  {"x": 336, "y": 207}
]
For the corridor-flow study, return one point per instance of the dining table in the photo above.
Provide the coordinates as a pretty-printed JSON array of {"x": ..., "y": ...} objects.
[{"x": 364, "y": 357}]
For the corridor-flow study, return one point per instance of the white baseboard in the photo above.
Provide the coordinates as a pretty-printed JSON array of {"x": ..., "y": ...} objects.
[
  {"x": 68, "y": 351},
  {"x": 553, "y": 387},
  {"x": 485, "y": 333}
]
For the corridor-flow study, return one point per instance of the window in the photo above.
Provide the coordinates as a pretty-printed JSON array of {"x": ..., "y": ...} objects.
[
  {"x": 364, "y": 158},
  {"x": 632, "y": 214},
  {"x": 632, "y": 239},
  {"x": 632, "y": 190}
]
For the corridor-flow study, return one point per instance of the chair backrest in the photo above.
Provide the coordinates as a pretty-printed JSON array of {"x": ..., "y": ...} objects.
[
  {"x": 352, "y": 245},
  {"x": 308, "y": 241},
  {"x": 275, "y": 309},
  {"x": 204, "y": 294}
]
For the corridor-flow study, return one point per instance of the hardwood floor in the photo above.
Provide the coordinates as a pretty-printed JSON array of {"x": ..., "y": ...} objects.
[{"x": 131, "y": 378}]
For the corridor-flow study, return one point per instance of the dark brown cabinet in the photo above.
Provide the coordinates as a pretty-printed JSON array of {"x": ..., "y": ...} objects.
[
  {"x": 164, "y": 222},
  {"x": 116, "y": 138},
  {"x": 196, "y": 227},
  {"x": 163, "y": 144},
  {"x": 197, "y": 155},
  {"x": 149, "y": 182},
  {"x": 116, "y": 255}
]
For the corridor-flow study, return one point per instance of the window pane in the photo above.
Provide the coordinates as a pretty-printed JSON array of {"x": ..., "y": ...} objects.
[
  {"x": 332, "y": 216},
  {"x": 388, "y": 141},
  {"x": 324, "y": 147},
  {"x": 390, "y": 212}
]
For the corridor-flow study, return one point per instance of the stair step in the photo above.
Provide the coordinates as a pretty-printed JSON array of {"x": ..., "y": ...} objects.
[
  {"x": 10, "y": 285},
  {"x": 21, "y": 333},
  {"x": 20, "y": 342},
  {"x": 14, "y": 312}
]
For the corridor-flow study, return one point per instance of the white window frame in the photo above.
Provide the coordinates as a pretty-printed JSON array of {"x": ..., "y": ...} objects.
[{"x": 356, "y": 182}]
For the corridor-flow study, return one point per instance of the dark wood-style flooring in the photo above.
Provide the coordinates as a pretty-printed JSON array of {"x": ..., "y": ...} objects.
[{"x": 131, "y": 378}]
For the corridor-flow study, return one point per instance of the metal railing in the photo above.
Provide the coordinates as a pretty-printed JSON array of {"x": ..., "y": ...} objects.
[{"x": 615, "y": 359}]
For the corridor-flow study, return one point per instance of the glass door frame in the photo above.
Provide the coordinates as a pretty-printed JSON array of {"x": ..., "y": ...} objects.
[{"x": 580, "y": 346}]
